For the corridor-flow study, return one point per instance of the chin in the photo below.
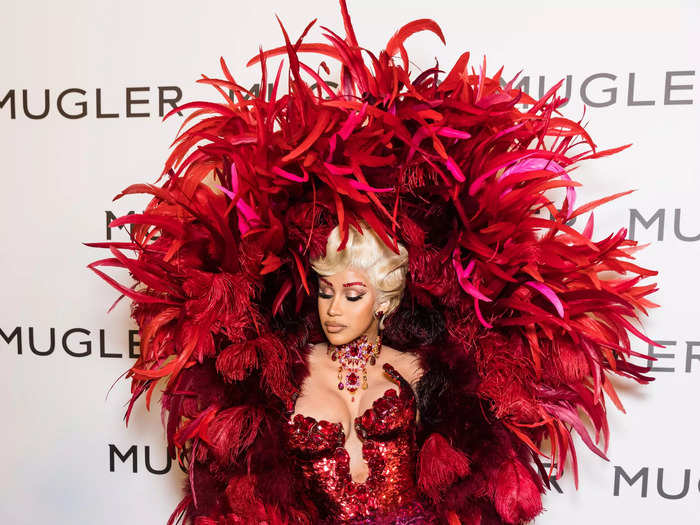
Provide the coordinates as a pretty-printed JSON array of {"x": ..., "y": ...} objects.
[{"x": 340, "y": 338}]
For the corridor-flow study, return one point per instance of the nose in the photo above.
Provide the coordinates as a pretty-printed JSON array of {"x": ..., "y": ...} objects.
[{"x": 334, "y": 306}]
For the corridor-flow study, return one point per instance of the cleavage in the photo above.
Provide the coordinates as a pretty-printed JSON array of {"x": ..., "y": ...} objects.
[
  {"x": 390, "y": 399},
  {"x": 390, "y": 392}
]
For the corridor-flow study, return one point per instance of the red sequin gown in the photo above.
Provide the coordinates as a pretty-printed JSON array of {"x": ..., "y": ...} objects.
[{"x": 389, "y": 494}]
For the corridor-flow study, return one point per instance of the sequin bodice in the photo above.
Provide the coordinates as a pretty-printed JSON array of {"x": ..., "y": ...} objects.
[{"x": 388, "y": 434}]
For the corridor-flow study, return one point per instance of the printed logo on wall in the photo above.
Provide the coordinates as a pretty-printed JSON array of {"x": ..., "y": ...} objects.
[
  {"x": 590, "y": 89},
  {"x": 641, "y": 477},
  {"x": 628, "y": 481},
  {"x": 109, "y": 217},
  {"x": 682, "y": 361},
  {"x": 653, "y": 221},
  {"x": 657, "y": 219},
  {"x": 20, "y": 336},
  {"x": 552, "y": 476},
  {"x": 597, "y": 90},
  {"x": 133, "y": 453},
  {"x": 72, "y": 103}
]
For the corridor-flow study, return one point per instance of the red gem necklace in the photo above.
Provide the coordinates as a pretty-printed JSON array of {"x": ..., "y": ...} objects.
[{"x": 353, "y": 358}]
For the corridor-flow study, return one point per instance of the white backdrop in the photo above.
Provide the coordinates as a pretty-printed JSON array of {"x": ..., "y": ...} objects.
[{"x": 633, "y": 65}]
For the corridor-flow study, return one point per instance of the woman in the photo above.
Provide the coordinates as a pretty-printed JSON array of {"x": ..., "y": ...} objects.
[
  {"x": 353, "y": 434},
  {"x": 510, "y": 325}
]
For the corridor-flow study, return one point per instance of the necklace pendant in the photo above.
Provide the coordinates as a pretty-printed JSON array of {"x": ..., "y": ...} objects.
[{"x": 352, "y": 361}]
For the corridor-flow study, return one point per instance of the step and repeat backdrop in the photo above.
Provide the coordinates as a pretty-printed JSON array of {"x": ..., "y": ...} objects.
[{"x": 83, "y": 89}]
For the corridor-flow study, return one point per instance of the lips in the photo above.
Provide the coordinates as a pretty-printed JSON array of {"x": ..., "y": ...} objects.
[{"x": 332, "y": 327}]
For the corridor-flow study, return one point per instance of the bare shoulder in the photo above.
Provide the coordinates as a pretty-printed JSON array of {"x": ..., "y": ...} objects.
[
  {"x": 318, "y": 348},
  {"x": 317, "y": 353},
  {"x": 408, "y": 364}
]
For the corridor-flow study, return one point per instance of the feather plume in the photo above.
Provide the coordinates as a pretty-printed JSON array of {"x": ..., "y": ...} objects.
[{"x": 521, "y": 319}]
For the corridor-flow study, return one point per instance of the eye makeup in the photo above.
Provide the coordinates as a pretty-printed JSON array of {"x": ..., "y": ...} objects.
[
  {"x": 348, "y": 297},
  {"x": 345, "y": 285},
  {"x": 352, "y": 298}
]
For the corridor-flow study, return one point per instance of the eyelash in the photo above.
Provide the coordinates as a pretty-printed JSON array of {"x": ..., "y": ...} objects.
[{"x": 353, "y": 299}]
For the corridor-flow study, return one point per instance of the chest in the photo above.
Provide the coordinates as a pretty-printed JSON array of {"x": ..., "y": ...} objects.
[
  {"x": 375, "y": 455},
  {"x": 318, "y": 394}
]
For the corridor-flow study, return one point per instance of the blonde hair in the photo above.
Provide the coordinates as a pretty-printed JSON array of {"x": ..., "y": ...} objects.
[{"x": 366, "y": 252}]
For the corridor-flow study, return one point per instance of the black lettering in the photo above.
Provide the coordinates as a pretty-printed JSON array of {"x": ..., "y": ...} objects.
[
  {"x": 87, "y": 343},
  {"x": 98, "y": 105},
  {"x": 82, "y": 105},
  {"x": 630, "y": 94},
  {"x": 114, "y": 451},
  {"x": 162, "y": 99},
  {"x": 553, "y": 482},
  {"x": 109, "y": 217},
  {"x": 660, "y": 356},
  {"x": 134, "y": 343},
  {"x": 668, "y": 87},
  {"x": 11, "y": 96},
  {"x": 620, "y": 473},
  {"x": 567, "y": 89},
  {"x": 255, "y": 90},
  {"x": 40, "y": 352},
  {"x": 25, "y": 105},
  {"x": 689, "y": 355},
  {"x": 103, "y": 352},
  {"x": 130, "y": 102},
  {"x": 17, "y": 332},
  {"x": 551, "y": 478},
  {"x": 612, "y": 91},
  {"x": 523, "y": 84},
  {"x": 664, "y": 494},
  {"x": 150, "y": 469},
  {"x": 677, "y": 228},
  {"x": 660, "y": 216}
]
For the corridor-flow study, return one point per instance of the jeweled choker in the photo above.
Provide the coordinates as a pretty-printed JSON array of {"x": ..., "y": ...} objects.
[{"x": 353, "y": 358}]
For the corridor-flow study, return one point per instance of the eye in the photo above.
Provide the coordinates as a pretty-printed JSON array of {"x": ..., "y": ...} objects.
[
  {"x": 355, "y": 297},
  {"x": 324, "y": 295}
]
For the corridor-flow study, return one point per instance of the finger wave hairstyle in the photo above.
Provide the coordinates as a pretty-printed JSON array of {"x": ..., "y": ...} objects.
[{"x": 365, "y": 251}]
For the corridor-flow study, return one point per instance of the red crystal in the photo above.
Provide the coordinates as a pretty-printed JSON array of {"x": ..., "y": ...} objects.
[
  {"x": 389, "y": 448},
  {"x": 341, "y": 386},
  {"x": 352, "y": 378}
]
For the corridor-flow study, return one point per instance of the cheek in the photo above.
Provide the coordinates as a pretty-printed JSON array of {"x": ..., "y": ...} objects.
[{"x": 361, "y": 310}]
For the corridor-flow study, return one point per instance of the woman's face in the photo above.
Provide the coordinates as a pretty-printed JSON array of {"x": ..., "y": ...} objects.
[{"x": 346, "y": 306}]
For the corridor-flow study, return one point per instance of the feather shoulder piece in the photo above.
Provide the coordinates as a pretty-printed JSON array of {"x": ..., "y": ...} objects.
[{"x": 521, "y": 320}]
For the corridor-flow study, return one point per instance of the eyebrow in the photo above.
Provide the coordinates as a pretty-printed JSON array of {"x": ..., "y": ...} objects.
[{"x": 345, "y": 285}]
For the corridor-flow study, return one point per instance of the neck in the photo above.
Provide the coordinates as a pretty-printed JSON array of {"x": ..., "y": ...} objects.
[
  {"x": 365, "y": 338},
  {"x": 352, "y": 361}
]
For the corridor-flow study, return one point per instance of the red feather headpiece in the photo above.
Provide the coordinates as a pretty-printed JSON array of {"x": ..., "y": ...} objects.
[{"x": 533, "y": 315}]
